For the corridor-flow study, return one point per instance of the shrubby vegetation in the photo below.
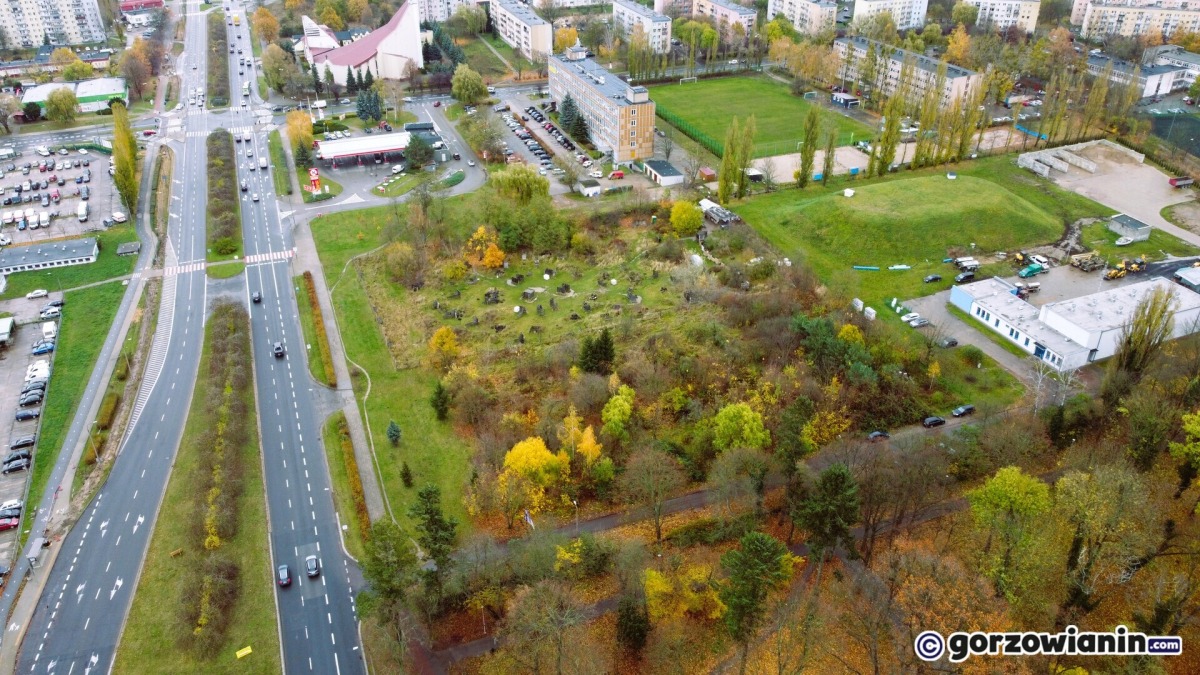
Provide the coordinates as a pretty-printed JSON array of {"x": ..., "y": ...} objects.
[
  {"x": 224, "y": 213},
  {"x": 218, "y": 61}
]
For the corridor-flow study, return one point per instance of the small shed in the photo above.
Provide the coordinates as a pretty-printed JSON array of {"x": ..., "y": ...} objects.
[
  {"x": 663, "y": 172},
  {"x": 588, "y": 187},
  {"x": 7, "y": 326},
  {"x": 845, "y": 100},
  {"x": 707, "y": 174},
  {"x": 129, "y": 248},
  {"x": 1189, "y": 278},
  {"x": 1127, "y": 226}
]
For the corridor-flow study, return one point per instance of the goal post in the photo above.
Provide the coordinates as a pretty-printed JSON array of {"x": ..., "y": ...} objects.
[{"x": 687, "y": 80}]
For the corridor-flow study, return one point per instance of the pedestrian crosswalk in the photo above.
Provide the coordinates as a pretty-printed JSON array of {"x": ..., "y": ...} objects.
[
  {"x": 273, "y": 255},
  {"x": 237, "y": 131},
  {"x": 172, "y": 270}
]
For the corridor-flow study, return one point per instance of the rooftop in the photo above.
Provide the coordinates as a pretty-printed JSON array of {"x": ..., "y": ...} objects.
[
  {"x": 920, "y": 60},
  {"x": 101, "y": 86},
  {"x": 1177, "y": 53},
  {"x": 589, "y": 182},
  {"x": 596, "y": 77},
  {"x": 733, "y": 6},
  {"x": 522, "y": 12},
  {"x": 363, "y": 49},
  {"x": 641, "y": 10},
  {"x": 663, "y": 168},
  {"x": 1114, "y": 307},
  {"x": 1098, "y": 62},
  {"x": 1129, "y": 221},
  {"x": 67, "y": 249},
  {"x": 363, "y": 145},
  {"x": 998, "y": 297}
]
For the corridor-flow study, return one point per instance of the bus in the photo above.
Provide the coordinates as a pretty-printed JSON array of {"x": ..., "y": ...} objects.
[{"x": 245, "y": 89}]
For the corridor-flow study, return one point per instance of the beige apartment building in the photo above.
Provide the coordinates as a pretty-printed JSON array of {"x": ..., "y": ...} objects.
[
  {"x": 808, "y": 17},
  {"x": 1001, "y": 14},
  {"x": 1132, "y": 18},
  {"x": 629, "y": 13},
  {"x": 620, "y": 116},
  {"x": 959, "y": 82},
  {"x": 521, "y": 28},
  {"x": 906, "y": 13},
  {"x": 726, "y": 12}
]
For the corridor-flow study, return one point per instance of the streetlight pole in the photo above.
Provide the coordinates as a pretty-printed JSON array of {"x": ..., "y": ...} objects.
[{"x": 576, "y": 505}]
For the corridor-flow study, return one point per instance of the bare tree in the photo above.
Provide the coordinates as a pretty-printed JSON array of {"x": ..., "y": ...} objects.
[
  {"x": 539, "y": 620},
  {"x": 649, "y": 479},
  {"x": 668, "y": 142}
]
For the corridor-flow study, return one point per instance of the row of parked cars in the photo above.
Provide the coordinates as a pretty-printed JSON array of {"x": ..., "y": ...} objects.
[{"x": 928, "y": 422}]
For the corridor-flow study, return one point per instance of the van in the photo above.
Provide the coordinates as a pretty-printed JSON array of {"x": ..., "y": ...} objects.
[
  {"x": 82, "y": 212},
  {"x": 965, "y": 276},
  {"x": 44, "y": 219},
  {"x": 262, "y": 163},
  {"x": 51, "y": 313},
  {"x": 491, "y": 90},
  {"x": 49, "y": 330},
  {"x": 616, "y": 175}
]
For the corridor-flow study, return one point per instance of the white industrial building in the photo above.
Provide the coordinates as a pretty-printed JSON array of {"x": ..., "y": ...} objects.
[
  {"x": 628, "y": 13},
  {"x": 47, "y": 256},
  {"x": 1070, "y": 333},
  {"x": 1149, "y": 80},
  {"x": 385, "y": 52}
]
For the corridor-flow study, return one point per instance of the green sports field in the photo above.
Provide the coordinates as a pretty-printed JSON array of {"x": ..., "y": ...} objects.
[{"x": 710, "y": 106}]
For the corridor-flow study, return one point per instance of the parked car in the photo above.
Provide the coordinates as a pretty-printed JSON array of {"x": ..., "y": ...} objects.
[
  {"x": 931, "y": 422},
  {"x": 947, "y": 343},
  {"x": 933, "y": 278},
  {"x": 963, "y": 410},
  {"x": 919, "y": 322},
  {"x": 22, "y": 442},
  {"x": 43, "y": 348},
  {"x": 964, "y": 276},
  {"x": 32, "y": 398},
  {"x": 28, "y": 415},
  {"x": 876, "y": 436},
  {"x": 19, "y": 465},
  {"x": 12, "y": 523},
  {"x": 15, "y": 456}
]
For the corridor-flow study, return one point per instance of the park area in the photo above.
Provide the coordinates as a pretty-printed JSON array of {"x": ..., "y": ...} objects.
[
  {"x": 916, "y": 219},
  {"x": 705, "y": 109}
]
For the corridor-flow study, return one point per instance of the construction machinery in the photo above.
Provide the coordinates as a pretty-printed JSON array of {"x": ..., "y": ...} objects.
[
  {"x": 1124, "y": 267},
  {"x": 1114, "y": 273},
  {"x": 1088, "y": 262}
]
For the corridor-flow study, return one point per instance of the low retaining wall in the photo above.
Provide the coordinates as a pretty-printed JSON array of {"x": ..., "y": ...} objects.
[{"x": 1075, "y": 160}]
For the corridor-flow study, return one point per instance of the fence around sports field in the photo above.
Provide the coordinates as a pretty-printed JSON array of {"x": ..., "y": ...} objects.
[{"x": 764, "y": 149}]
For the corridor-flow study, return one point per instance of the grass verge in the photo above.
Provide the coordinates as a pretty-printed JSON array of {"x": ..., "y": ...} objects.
[
  {"x": 482, "y": 60},
  {"x": 334, "y": 187},
  {"x": 315, "y": 335},
  {"x": 349, "y": 501},
  {"x": 108, "y": 265},
  {"x": 218, "y": 62},
  {"x": 226, "y": 270},
  {"x": 86, "y": 318},
  {"x": 279, "y": 165},
  {"x": 224, "y": 214},
  {"x": 1160, "y": 245},
  {"x": 399, "y": 185},
  {"x": 151, "y": 641}
]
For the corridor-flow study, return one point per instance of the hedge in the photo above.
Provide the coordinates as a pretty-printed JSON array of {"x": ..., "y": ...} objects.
[
  {"x": 325, "y": 352},
  {"x": 108, "y": 409},
  {"x": 356, "y": 488}
]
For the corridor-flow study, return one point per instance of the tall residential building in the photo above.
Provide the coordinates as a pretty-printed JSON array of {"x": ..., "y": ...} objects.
[
  {"x": 808, "y": 17},
  {"x": 727, "y": 12},
  {"x": 30, "y": 23},
  {"x": 854, "y": 51},
  {"x": 906, "y": 13},
  {"x": 437, "y": 11},
  {"x": 620, "y": 116},
  {"x": 1132, "y": 18},
  {"x": 628, "y": 13},
  {"x": 1000, "y": 14},
  {"x": 521, "y": 28},
  {"x": 673, "y": 8}
]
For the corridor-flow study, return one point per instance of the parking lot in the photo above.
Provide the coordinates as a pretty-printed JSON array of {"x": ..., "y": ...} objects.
[
  {"x": 40, "y": 195},
  {"x": 15, "y": 360}
]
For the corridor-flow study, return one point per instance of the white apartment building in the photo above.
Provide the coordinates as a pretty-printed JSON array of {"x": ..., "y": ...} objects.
[
  {"x": 906, "y": 13},
  {"x": 673, "y": 8},
  {"x": 854, "y": 51},
  {"x": 437, "y": 11},
  {"x": 29, "y": 23},
  {"x": 726, "y": 12},
  {"x": 1000, "y": 14},
  {"x": 808, "y": 17},
  {"x": 1131, "y": 18},
  {"x": 628, "y": 13},
  {"x": 521, "y": 28},
  {"x": 620, "y": 116}
]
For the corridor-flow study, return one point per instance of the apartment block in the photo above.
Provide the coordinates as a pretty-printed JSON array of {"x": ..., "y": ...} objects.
[
  {"x": 906, "y": 13},
  {"x": 31, "y": 23},
  {"x": 437, "y": 11},
  {"x": 673, "y": 8},
  {"x": 726, "y": 12},
  {"x": 1133, "y": 18},
  {"x": 808, "y": 17},
  {"x": 854, "y": 51},
  {"x": 620, "y": 116},
  {"x": 628, "y": 13},
  {"x": 521, "y": 28},
  {"x": 1001, "y": 14}
]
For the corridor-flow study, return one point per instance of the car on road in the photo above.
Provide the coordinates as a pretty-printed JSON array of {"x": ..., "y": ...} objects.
[
  {"x": 39, "y": 293},
  {"x": 277, "y": 350},
  {"x": 344, "y": 101},
  {"x": 284, "y": 575},
  {"x": 19, "y": 465},
  {"x": 28, "y": 415},
  {"x": 11, "y": 523},
  {"x": 963, "y": 410},
  {"x": 397, "y": 169},
  {"x": 876, "y": 436},
  {"x": 245, "y": 185},
  {"x": 933, "y": 278},
  {"x": 256, "y": 297},
  {"x": 931, "y": 422},
  {"x": 596, "y": 174},
  {"x": 470, "y": 162},
  {"x": 947, "y": 343},
  {"x": 254, "y": 196},
  {"x": 437, "y": 104},
  {"x": 311, "y": 567}
]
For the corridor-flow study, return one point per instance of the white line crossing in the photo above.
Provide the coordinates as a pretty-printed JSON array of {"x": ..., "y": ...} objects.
[
  {"x": 174, "y": 270},
  {"x": 273, "y": 255}
]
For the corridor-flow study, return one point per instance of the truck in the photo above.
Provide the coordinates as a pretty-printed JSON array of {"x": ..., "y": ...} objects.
[
  {"x": 49, "y": 330},
  {"x": 237, "y": 20},
  {"x": 318, "y": 104},
  {"x": 82, "y": 212},
  {"x": 1031, "y": 271},
  {"x": 1181, "y": 182}
]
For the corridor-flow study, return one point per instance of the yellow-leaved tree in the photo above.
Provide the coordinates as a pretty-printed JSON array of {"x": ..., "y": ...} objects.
[
  {"x": 533, "y": 460},
  {"x": 689, "y": 591},
  {"x": 443, "y": 348},
  {"x": 830, "y": 420}
]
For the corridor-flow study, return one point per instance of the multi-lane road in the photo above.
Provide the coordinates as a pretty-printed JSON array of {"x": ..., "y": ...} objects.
[{"x": 78, "y": 621}]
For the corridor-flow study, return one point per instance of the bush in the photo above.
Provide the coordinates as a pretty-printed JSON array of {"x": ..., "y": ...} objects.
[
  {"x": 224, "y": 214},
  {"x": 971, "y": 355},
  {"x": 406, "y": 475},
  {"x": 323, "y": 348},
  {"x": 711, "y": 531},
  {"x": 225, "y": 246},
  {"x": 108, "y": 410},
  {"x": 356, "y": 487}
]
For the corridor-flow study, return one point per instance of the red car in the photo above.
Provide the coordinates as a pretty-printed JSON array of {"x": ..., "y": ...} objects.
[
  {"x": 9, "y": 523},
  {"x": 437, "y": 104}
]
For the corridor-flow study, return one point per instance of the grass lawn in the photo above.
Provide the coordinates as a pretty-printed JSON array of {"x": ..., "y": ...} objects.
[
  {"x": 149, "y": 643},
  {"x": 335, "y": 188},
  {"x": 172, "y": 96},
  {"x": 108, "y": 265},
  {"x": 316, "y": 364},
  {"x": 226, "y": 270},
  {"x": 482, "y": 60},
  {"x": 431, "y": 448},
  {"x": 280, "y": 175},
  {"x": 47, "y": 125},
  {"x": 262, "y": 88},
  {"x": 515, "y": 59},
  {"x": 1158, "y": 246},
  {"x": 86, "y": 318},
  {"x": 914, "y": 218},
  {"x": 778, "y": 114},
  {"x": 401, "y": 185},
  {"x": 342, "y": 499}
]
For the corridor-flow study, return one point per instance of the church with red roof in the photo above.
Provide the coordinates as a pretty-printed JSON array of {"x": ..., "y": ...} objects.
[{"x": 385, "y": 51}]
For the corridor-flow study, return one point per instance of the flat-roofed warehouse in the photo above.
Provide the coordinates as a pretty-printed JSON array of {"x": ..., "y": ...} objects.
[
  {"x": 360, "y": 146},
  {"x": 45, "y": 256}
]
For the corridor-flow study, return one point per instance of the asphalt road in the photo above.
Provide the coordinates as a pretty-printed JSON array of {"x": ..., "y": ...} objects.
[
  {"x": 86, "y": 599},
  {"x": 317, "y": 619}
]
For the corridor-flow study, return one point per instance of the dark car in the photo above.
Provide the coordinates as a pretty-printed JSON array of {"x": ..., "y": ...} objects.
[
  {"x": 931, "y": 422},
  {"x": 277, "y": 350},
  {"x": 311, "y": 567},
  {"x": 245, "y": 185},
  {"x": 32, "y": 398},
  {"x": 22, "y": 442},
  {"x": 35, "y": 385},
  {"x": 964, "y": 276},
  {"x": 947, "y": 343},
  {"x": 256, "y": 296},
  {"x": 284, "y": 575},
  {"x": 28, "y": 415},
  {"x": 876, "y": 436},
  {"x": 15, "y": 456},
  {"x": 933, "y": 278},
  {"x": 963, "y": 410},
  {"x": 19, "y": 465}
]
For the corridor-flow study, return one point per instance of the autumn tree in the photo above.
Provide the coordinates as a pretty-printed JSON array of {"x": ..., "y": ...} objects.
[
  {"x": 682, "y": 590},
  {"x": 61, "y": 56},
  {"x": 959, "y": 49},
  {"x": 521, "y": 184},
  {"x": 686, "y": 218},
  {"x": 649, "y": 479},
  {"x": 124, "y": 158},
  {"x": 62, "y": 106},
  {"x": 467, "y": 85},
  {"x": 389, "y": 566},
  {"x": 808, "y": 147},
  {"x": 617, "y": 414},
  {"x": 136, "y": 71},
  {"x": 78, "y": 70},
  {"x": 1007, "y": 508},
  {"x": 738, "y": 425},
  {"x": 9, "y": 105},
  {"x": 299, "y": 128},
  {"x": 963, "y": 14},
  {"x": 727, "y": 176},
  {"x": 737, "y": 475},
  {"x": 531, "y": 459},
  {"x": 1187, "y": 452},
  {"x": 758, "y": 566},
  {"x": 266, "y": 27},
  {"x": 827, "y": 162},
  {"x": 537, "y": 627},
  {"x": 565, "y": 38},
  {"x": 1139, "y": 342},
  {"x": 443, "y": 348}
]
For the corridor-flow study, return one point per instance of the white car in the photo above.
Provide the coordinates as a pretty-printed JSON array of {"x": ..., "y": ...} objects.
[
  {"x": 470, "y": 162},
  {"x": 398, "y": 169},
  {"x": 254, "y": 196},
  {"x": 34, "y": 295},
  {"x": 911, "y": 316},
  {"x": 118, "y": 217},
  {"x": 587, "y": 163},
  {"x": 596, "y": 174}
]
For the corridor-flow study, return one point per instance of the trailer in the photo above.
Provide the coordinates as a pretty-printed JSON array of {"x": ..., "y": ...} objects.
[
  {"x": 1088, "y": 262},
  {"x": 1181, "y": 182}
]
